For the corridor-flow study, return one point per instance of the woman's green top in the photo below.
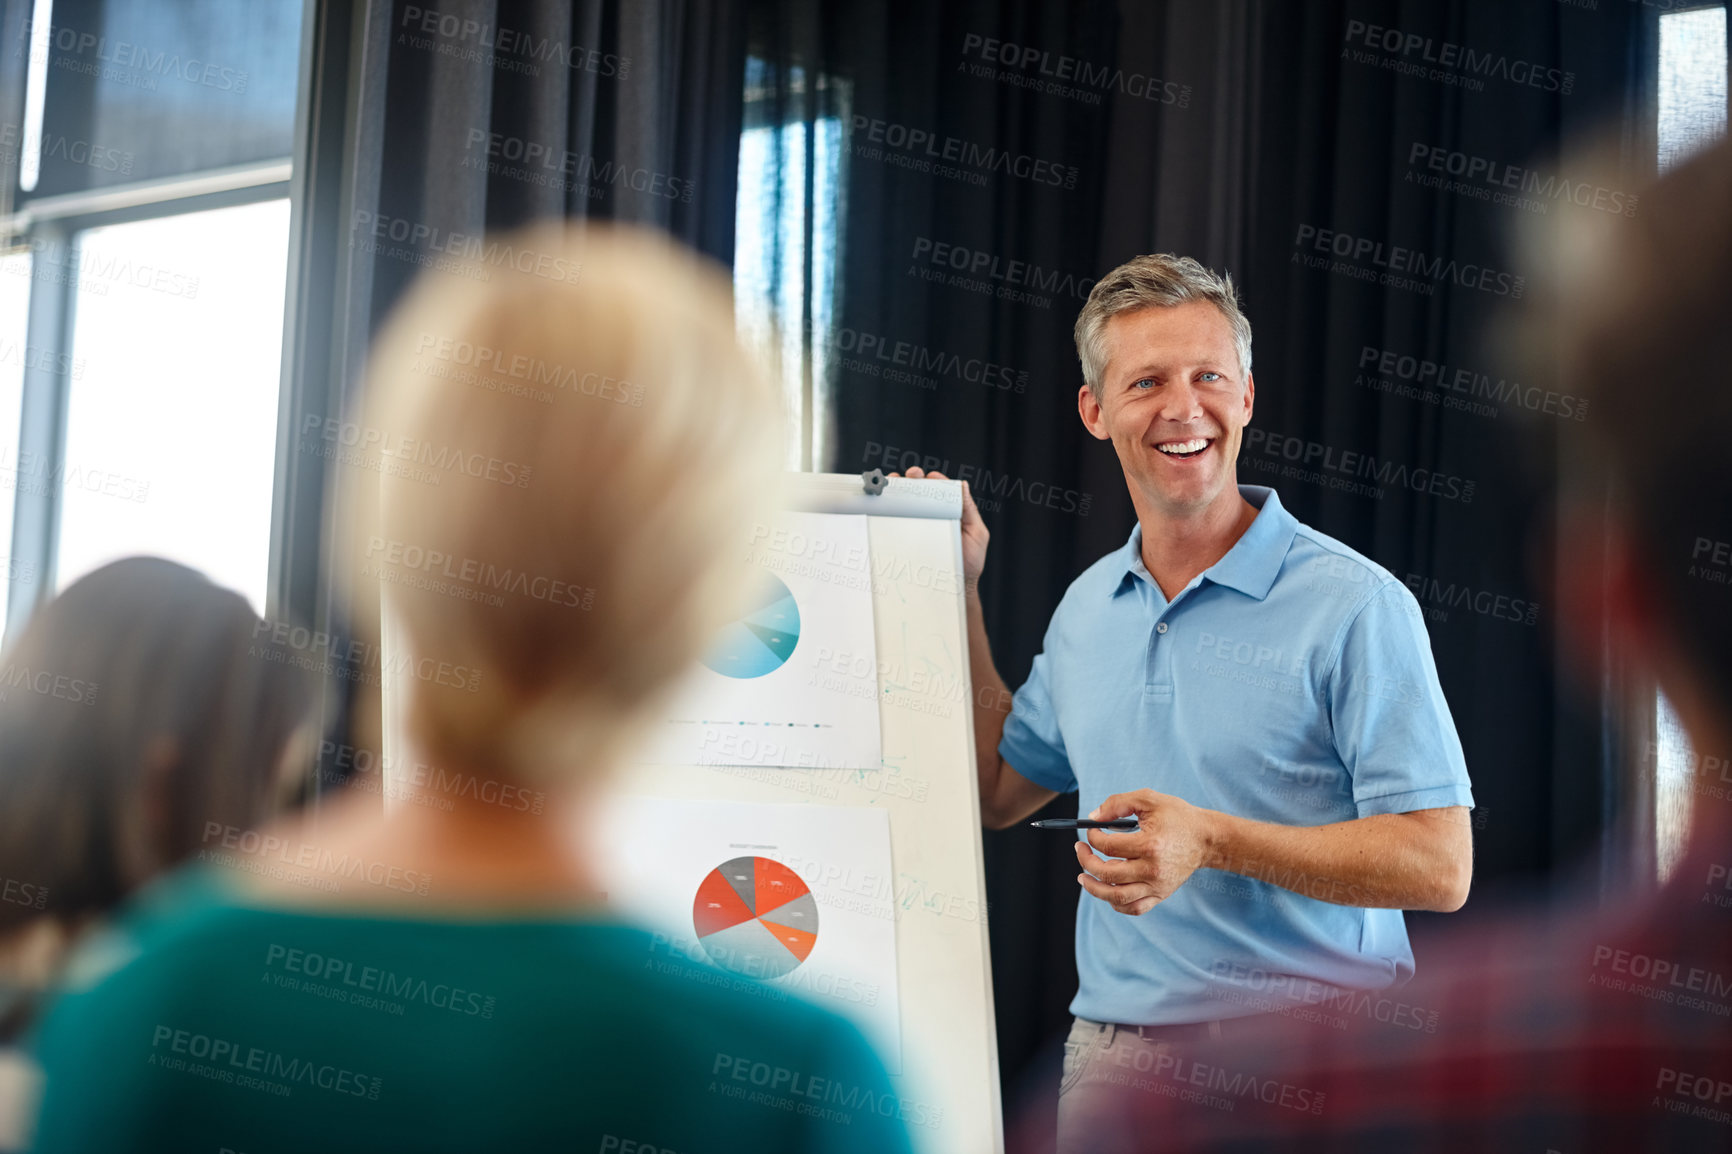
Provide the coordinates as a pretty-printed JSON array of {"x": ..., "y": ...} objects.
[{"x": 207, "y": 1021}]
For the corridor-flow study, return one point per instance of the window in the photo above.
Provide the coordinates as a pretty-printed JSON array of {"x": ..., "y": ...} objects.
[
  {"x": 141, "y": 300},
  {"x": 787, "y": 233},
  {"x": 184, "y": 358},
  {"x": 1692, "y": 109},
  {"x": 1691, "y": 113},
  {"x": 123, "y": 91},
  {"x": 14, "y": 351}
]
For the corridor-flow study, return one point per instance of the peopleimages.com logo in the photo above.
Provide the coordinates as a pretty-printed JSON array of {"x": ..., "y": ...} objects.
[
  {"x": 877, "y": 355},
  {"x": 1025, "y": 66},
  {"x": 1401, "y": 267},
  {"x": 1481, "y": 177},
  {"x": 983, "y": 271},
  {"x": 1414, "y": 54},
  {"x": 123, "y": 61},
  {"x": 552, "y": 165},
  {"x": 922, "y": 150},
  {"x": 1402, "y": 374},
  {"x": 67, "y": 150},
  {"x": 989, "y": 486},
  {"x": 496, "y": 45},
  {"x": 1350, "y": 470}
]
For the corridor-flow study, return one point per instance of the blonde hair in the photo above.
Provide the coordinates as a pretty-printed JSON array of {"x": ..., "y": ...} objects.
[
  {"x": 1158, "y": 280},
  {"x": 564, "y": 446}
]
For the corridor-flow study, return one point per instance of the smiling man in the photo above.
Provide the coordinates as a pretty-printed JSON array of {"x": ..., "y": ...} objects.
[{"x": 1261, "y": 698}]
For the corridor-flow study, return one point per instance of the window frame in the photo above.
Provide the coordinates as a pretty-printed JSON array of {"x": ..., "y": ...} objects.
[
  {"x": 51, "y": 322},
  {"x": 1664, "y": 803},
  {"x": 801, "y": 104}
]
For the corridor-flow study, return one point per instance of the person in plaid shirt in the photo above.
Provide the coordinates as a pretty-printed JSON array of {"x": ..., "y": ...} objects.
[{"x": 1604, "y": 1031}]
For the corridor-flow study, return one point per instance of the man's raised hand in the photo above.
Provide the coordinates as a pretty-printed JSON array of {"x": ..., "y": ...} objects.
[{"x": 974, "y": 532}]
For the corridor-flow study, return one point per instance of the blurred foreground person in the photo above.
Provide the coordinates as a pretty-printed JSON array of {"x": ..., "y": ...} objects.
[
  {"x": 444, "y": 975},
  {"x": 135, "y": 710},
  {"x": 1613, "y": 1031}
]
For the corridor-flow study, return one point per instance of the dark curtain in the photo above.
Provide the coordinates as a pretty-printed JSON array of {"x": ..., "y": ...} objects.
[
  {"x": 1238, "y": 132},
  {"x": 422, "y": 125},
  {"x": 609, "y": 109}
]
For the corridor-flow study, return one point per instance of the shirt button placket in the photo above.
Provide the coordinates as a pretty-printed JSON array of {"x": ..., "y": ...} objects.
[
  {"x": 1154, "y": 684},
  {"x": 1149, "y": 664}
]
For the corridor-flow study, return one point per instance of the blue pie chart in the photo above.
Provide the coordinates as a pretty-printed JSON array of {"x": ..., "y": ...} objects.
[{"x": 764, "y": 636}]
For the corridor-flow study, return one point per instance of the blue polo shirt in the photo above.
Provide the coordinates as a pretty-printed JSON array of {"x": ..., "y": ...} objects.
[{"x": 1290, "y": 682}]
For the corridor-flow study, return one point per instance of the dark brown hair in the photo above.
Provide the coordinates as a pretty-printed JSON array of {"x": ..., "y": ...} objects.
[{"x": 136, "y": 707}]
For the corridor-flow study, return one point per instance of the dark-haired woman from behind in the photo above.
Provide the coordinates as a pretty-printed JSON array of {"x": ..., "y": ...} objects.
[{"x": 137, "y": 709}]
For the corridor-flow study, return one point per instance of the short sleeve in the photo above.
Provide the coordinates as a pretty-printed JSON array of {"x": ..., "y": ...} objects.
[
  {"x": 1392, "y": 726},
  {"x": 1032, "y": 743}
]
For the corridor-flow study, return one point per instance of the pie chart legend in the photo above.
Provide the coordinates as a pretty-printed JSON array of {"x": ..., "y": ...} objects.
[{"x": 755, "y": 917}]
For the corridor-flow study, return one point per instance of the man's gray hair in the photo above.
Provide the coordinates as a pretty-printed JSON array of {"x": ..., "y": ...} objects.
[{"x": 1158, "y": 280}]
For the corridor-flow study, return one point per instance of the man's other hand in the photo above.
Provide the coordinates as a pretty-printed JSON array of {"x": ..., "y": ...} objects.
[{"x": 1172, "y": 843}]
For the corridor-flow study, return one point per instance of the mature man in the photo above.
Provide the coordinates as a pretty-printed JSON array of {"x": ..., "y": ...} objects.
[
  {"x": 1260, "y": 696},
  {"x": 1609, "y": 1030}
]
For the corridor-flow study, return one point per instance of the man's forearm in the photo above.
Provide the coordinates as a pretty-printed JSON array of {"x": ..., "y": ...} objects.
[
  {"x": 991, "y": 699},
  {"x": 1414, "y": 861}
]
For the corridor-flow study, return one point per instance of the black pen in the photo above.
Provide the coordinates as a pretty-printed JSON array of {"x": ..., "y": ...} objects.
[{"x": 1117, "y": 824}]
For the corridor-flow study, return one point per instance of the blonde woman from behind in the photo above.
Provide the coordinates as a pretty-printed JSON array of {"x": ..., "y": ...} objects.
[{"x": 443, "y": 975}]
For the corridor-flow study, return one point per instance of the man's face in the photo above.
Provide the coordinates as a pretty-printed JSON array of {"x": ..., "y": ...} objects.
[{"x": 1174, "y": 402}]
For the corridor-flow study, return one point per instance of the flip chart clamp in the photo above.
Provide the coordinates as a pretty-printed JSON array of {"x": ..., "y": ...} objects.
[{"x": 874, "y": 482}]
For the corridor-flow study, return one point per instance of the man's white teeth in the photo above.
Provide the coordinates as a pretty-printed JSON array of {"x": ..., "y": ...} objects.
[{"x": 1180, "y": 447}]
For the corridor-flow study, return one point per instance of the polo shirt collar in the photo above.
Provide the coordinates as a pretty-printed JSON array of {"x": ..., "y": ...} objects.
[{"x": 1253, "y": 562}]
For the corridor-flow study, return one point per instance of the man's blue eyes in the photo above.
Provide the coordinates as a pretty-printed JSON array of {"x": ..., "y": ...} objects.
[{"x": 1150, "y": 381}]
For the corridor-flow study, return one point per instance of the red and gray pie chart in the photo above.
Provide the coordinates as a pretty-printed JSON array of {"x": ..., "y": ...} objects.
[{"x": 756, "y": 917}]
